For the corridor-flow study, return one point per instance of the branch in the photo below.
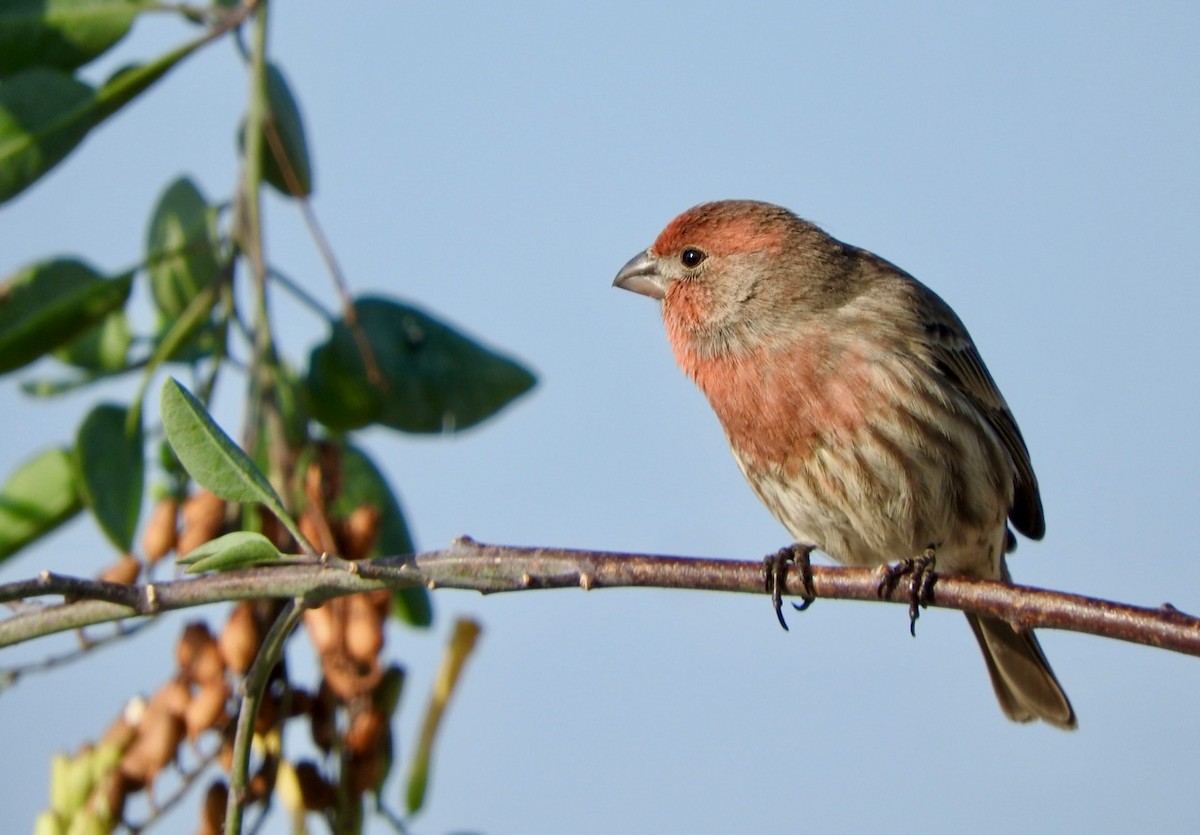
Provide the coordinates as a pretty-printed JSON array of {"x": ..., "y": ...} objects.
[{"x": 467, "y": 564}]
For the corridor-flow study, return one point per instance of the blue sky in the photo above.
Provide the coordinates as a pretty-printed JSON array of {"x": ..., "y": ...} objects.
[{"x": 1036, "y": 165}]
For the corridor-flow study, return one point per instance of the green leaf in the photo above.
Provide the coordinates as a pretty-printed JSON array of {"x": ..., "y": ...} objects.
[
  {"x": 111, "y": 461},
  {"x": 363, "y": 483},
  {"x": 337, "y": 390},
  {"x": 51, "y": 304},
  {"x": 104, "y": 348},
  {"x": 45, "y": 113},
  {"x": 181, "y": 248},
  {"x": 64, "y": 34},
  {"x": 434, "y": 379},
  {"x": 208, "y": 454},
  {"x": 43, "y": 116},
  {"x": 215, "y": 461},
  {"x": 284, "y": 115},
  {"x": 129, "y": 82},
  {"x": 240, "y": 549},
  {"x": 39, "y": 496}
]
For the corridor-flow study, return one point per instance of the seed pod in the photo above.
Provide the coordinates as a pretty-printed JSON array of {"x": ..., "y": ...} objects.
[
  {"x": 316, "y": 531},
  {"x": 124, "y": 571},
  {"x": 161, "y": 532},
  {"x": 159, "y": 734},
  {"x": 212, "y": 815},
  {"x": 366, "y": 773},
  {"x": 198, "y": 655},
  {"x": 119, "y": 734},
  {"x": 321, "y": 627},
  {"x": 357, "y": 534},
  {"x": 203, "y": 517},
  {"x": 365, "y": 731},
  {"x": 322, "y": 717},
  {"x": 240, "y": 639},
  {"x": 225, "y": 754},
  {"x": 364, "y": 629},
  {"x": 316, "y": 792},
  {"x": 268, "y": 712},
  {"x": 347, "y": 679},
  {"x": 206, "y": 709},
  {"x": 115, "y": 790}
]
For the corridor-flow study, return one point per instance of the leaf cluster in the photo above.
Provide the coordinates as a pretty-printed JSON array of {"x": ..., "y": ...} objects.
[
  {"x": 385, "y": 362},
  {"x": 299, "y": 480}
]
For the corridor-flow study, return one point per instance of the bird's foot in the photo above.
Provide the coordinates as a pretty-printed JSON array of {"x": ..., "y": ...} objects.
[
  {"x": 919, "y": 570},
  {"x": 775, "y": 568}
]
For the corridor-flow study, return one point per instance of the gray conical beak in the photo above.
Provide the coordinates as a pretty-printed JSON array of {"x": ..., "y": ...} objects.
[{"x": 641, "y": 275}]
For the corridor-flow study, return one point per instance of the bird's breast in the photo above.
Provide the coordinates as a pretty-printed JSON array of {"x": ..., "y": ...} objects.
[{"x": 777, "y": 404}]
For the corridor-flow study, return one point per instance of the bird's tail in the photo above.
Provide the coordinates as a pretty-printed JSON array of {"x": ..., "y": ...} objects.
[{"x": 1024, "y": 683}]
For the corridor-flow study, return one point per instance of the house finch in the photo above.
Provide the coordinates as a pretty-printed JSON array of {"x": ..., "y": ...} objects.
[{"x": 857, "y": 407}]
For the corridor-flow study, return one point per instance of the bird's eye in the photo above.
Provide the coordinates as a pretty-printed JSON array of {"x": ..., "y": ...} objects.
[{"x": 691, "y": 257}]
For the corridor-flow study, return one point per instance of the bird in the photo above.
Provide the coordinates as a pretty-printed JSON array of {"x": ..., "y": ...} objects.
[{"x": 857, "y": 407}]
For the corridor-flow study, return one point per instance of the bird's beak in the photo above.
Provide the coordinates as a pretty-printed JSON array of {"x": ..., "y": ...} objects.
[{"x": 641, "y": 275}]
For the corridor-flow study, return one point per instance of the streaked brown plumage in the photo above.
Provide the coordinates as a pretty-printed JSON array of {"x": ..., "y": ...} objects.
[{"x": 856, "y": 405}]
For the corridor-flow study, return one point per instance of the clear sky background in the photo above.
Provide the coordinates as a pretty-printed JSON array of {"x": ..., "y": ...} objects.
[{"x": 1034, "y": 163}]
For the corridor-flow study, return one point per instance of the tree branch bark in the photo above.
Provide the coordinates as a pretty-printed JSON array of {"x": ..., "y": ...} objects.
[{"x": 488, "y": 569}]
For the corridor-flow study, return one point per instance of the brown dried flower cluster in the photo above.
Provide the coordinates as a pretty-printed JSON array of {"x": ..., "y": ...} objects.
[{"x": 191, "y": 717}]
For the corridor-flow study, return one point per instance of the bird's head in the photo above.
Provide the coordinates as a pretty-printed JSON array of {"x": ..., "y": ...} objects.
[{"x": 731, "y": 273}]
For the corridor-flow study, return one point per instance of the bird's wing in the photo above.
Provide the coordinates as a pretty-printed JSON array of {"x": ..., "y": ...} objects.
[{"x": 956, "y": 356}]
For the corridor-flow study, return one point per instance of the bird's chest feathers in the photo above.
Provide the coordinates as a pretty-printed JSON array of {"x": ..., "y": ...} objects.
[{"x": 776, "y": 403}]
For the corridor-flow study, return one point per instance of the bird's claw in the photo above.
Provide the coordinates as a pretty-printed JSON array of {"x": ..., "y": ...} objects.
[
  {"x": 920, "y": 587},
  {"x": 775, "y": 568}
]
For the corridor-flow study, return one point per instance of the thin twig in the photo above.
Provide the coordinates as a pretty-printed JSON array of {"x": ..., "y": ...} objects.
[
  {"x": 88, "y": 644},
  {"x": 467, "y": 564},
  {"x": 349, "y": 314},
  {"x": 303, "y": 296}
]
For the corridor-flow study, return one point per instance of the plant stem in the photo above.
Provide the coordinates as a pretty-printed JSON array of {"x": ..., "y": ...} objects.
[{"x": 253, "y": 687}]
